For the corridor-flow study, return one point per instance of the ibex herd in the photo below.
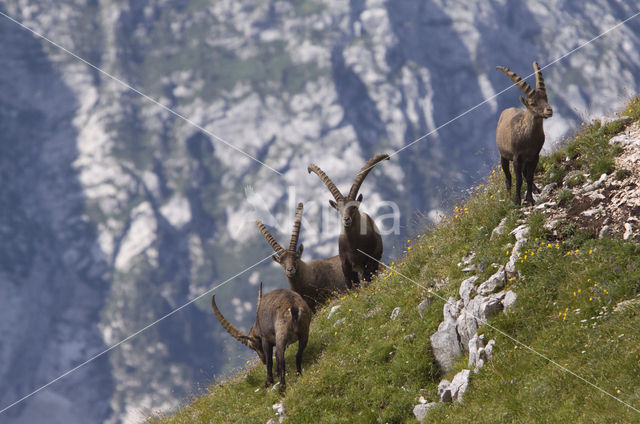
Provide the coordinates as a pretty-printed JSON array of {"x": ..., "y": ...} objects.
[{"x": 283, "y": 316}]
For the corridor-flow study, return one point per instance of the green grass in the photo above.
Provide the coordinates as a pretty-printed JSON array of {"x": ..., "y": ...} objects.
[{"x": 370, "y": 369}]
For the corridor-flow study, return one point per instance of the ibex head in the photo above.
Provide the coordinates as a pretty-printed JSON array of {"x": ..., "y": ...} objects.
[
  {"x": 348, "y": 207},
  {"x": 288, "y": 259},
  {"x": 252, "y": 340},
  {"x": 536, "y": 100}
]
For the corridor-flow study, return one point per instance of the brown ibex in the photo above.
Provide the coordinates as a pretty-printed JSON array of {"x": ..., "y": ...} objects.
[
  {"x": 358, "y": 232},
  {"x": 520, "y": 135},
  {"x": 315, "y": 281},
  {"x": 282, "y": 318}
]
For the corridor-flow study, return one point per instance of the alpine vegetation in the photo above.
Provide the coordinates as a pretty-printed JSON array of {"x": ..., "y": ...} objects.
[
  {"x": 520, "y": 136},
  {"x": 282, "y": 318},
  {"x": 360, "y": 240},
  {"x": 315, "y": 281}
]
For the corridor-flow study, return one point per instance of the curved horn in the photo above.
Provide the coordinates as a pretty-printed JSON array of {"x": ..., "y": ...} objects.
[
  {"x": 522, "y": 84},
  {"x": 235, "y": 333},
  {"x": 539, "y": 80},
  {"x": 272, "y": 241},
  {"x": 296, "y": 229},
  {"x": 259, "y": 297},
  {"x": 363, "y": 173},
  {"x": 327, "y": 181}
]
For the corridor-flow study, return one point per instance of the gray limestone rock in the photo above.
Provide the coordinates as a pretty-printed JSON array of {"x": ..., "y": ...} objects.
[
  {"x": 500, "y": 229},
  {"x": 420, "y": 411},
  {"x": 394, "y": 313},
  {"x": 473, "y": 351},
  {"x": 459, "y": 385},
  {"x": 333, "y": 310},
  {"x": 442, "y": 386},
  {"x": 445, "y": 345},
  {"x": 422, "y": 307},
  {"x": 488, "y": 350},
  {"x": 509, "y": 299},
  {"x": 467, "y": 288},
  {"x": 605, "y": 231},
  {"x": 494, "y": 283}
]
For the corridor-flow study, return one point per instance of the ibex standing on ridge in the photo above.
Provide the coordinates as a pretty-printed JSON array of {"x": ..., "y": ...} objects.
[
  {"x": 520, "y": 135},
  {"x": 315, "y": 281},
  {"x": 358, "y": 232},
  {"x": 282, "y": 318}
]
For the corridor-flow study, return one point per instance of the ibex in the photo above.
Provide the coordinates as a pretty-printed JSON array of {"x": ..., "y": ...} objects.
[
  {"x": 358, "y": 231},
  {"x": 520, "y": 135},
  {"x": 282, "y": 318},
  {"x": 316, "y": 280}
]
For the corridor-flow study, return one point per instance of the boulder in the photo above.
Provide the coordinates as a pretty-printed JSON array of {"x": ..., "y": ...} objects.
[
  {"x": 445, "y": 345},
  {"x": 509, "y": 299},
  {"x": 452, "y": 309},
  {"x": 473, "y": 351},
  {"x": 488, "y": 350},
  {"x": 467, "y": 289},
  {"x": 521, "y": 232},
  {"x": 494, "y": 283},
  {"x": 467, "y": 324},
  {"x": 420, "y": 410},
  {"x": 459, "y": 385},
  {"x": 442, "y": 386},
  {"x": 444, "y": 393}
]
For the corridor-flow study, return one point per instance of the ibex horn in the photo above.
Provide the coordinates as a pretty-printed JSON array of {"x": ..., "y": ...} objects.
[
  {"x": 296, "y": 229},
  {"x": 522, "y": 84},
  {"x": 363, "y": 173},
  {"x": 539, "y": 80},
  {"x": 327, "y": 181},
  {"x": 235, "y": 333},
  {"x": 272, "y": 241},
  {"x": 259, "y": 297}
]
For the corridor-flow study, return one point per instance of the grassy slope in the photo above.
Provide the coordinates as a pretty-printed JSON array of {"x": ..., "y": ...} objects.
[{"x": 371, "y": 369}]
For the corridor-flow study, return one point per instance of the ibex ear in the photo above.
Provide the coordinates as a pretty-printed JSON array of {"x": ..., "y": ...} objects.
[
  {"x": 359, "y": 199},
  {"x": 300, "y": 249},
  {"x": 275, "y": 258},
  {"x": 523, "y": 101},
  {"x": 333, "y": 204}
]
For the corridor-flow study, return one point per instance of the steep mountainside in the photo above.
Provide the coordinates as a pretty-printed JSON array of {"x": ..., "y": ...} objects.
[
  {"x": 115, "y": 211},
  {"x": 457, "y": 331}
]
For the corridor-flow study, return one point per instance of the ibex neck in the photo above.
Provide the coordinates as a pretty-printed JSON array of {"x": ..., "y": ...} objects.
[
  {"x": 532, "y": 121},
  {"x": 296, "y": 282}
]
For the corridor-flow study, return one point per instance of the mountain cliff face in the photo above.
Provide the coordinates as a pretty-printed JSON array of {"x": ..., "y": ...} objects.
[{"x": 115, "y": 211}]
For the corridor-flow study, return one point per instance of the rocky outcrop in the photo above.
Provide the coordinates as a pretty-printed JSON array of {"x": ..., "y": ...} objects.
[
  {"x": 477, "y": 304},
  {"x": 458, "y": 332},
  {"x": 607, "y": 205}
]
